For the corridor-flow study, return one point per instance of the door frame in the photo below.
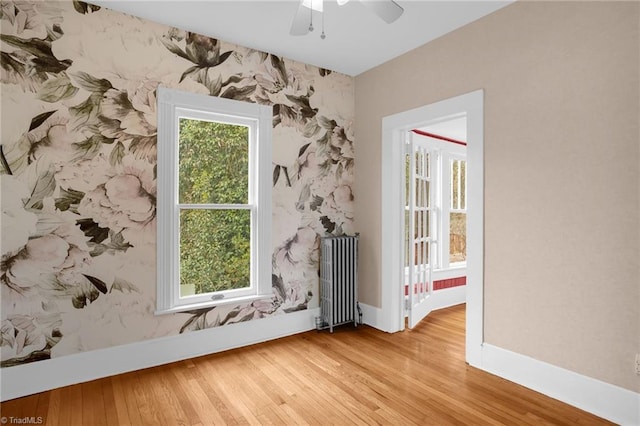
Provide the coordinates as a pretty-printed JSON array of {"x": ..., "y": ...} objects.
[{"x": 392, "y": 232}]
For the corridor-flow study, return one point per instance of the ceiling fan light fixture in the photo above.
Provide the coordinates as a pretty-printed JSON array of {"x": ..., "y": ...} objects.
[
  {"x": 313, "y": 4},
  {"x": 388, "y": 10}
]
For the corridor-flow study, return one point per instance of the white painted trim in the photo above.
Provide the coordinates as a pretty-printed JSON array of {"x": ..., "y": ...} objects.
[
  {"x": 393, "y": 128},
  {"x": 392, "y": 234},
  {"x": 448, "y": 297},
  {"x": 27, "y": 379},
  {"x": 610, "y": 402},
  {"x": 474, "y": 107},
  {"x": 440, "y": 299},
  {"x": 372, "y": 316},
  {"x": 442, "y": 274},
  {"x": 172, "y": 106}
]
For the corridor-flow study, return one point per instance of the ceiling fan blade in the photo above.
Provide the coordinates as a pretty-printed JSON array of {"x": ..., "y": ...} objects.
[
  {"x": 300, "y": 24},
  {"x": 388, "y": 10}
]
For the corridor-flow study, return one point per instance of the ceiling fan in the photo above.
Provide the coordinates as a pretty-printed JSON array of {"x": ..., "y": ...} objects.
[{"x": 387, "y": 10}]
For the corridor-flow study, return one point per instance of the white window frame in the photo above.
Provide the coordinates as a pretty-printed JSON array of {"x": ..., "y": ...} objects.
[
  {"x": 452, "y": 153},
  {"x": 172, "y": 106}
]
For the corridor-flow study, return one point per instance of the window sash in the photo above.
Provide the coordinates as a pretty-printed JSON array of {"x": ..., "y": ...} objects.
[
  {"x": 190, "y": 114},
  {"x": 228, "y": 293}
]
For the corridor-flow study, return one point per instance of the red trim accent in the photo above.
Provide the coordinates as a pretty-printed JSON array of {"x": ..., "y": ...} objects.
[
  {"x": 442, "y": 138},
  {"x": 452, "y": 282},
  {"x": 438, "y": 285}
]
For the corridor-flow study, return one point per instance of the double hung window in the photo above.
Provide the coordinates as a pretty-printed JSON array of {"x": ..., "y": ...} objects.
[{"x": 214, "y": 201}]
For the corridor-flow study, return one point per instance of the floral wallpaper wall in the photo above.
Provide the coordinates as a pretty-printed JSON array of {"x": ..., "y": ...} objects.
[{"x": 78, "y": 173}]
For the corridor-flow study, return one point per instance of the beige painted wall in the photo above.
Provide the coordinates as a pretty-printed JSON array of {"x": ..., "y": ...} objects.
[{"x": 562, "y": 174}]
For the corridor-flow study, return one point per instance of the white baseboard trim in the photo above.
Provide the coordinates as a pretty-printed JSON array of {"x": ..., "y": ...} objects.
[
  {"x": 439, "y": 299},
  {"x": 610, "y": 402},
  {"x": 448, "y": 297},
  {"x": 372, "y": 316},
  {"x": 27, "y": 379}
]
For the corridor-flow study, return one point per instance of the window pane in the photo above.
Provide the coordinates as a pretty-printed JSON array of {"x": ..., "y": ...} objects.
[
  {"x": 457, "y": 237},
  {"x": 427, "y": 166},
  {"x": 422, "y": 192},
  {"x": 407, "y": 180},
  {"x": 426, "y": 231},
  {"x": 427, "y": 199},
  {"x": 421, "y": 224},
  {"x": 455, "y": 194},
  {"x": 213, "y": 163},
  {"x": 463, "y": 184},
  {"x": 215, "y": 250},
  {"x": 458, "y": 184},
  {"x": 422, "y": 253}
]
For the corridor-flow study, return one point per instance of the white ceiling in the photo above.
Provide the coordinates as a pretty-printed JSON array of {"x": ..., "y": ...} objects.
[
  {"x": 455, "y": 128},
  {"x": 357, "y": 40}
]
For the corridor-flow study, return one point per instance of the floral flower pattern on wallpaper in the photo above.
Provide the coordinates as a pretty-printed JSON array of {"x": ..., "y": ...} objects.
[{"x": 78, "y": 173}]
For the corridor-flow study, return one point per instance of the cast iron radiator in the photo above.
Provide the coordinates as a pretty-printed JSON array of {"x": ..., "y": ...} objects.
[{"x": 338, "y": 282}]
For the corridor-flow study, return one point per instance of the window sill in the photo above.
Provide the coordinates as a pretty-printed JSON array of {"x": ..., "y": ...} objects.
[{"x": 212, "y": 304}]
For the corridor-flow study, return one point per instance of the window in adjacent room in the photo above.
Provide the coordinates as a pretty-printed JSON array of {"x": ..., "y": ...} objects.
[
  {"x": 458, "y": 211},
  {"x": 214, "y": 201}
]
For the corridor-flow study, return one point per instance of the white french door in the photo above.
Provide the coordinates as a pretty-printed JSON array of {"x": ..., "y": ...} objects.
[{"x": 421, "y": 215}]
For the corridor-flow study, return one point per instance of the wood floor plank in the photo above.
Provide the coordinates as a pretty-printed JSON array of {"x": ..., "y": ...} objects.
[
  {"x": 226, "y": 386},
  {"x": 71, "y": 410},
  {"x": 219, "y": 407},
  {"x": 318, "y": 386},
  {"x": 93, "y": 409},
  {"x": 168, "y": 398},
  {"x": 30, "y": 408},
  {"x": 181, "y": 392},
  {"x": 44, "y": 399},
  {"x": 65, "y": 413},
  {"x": 115, "y": 404},
  {"x": 145, "y": 400},
  {"x": 293, "y": 415},
  {"x": 127, "y": 406},
  {"x": 354, "y": 376},
  {"x": 260, "y": 381},
  {"x": 53, "y": 412},
  {"x": 202, "y": 405}
]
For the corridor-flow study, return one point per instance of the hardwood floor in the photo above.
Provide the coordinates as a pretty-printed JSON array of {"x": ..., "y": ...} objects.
[{"x": 353, "y": 376}]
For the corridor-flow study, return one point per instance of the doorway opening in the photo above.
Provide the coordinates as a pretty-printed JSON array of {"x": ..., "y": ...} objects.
[
  {"x": 395, "y": 129},
  {"x": 435, "y": 219}
]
